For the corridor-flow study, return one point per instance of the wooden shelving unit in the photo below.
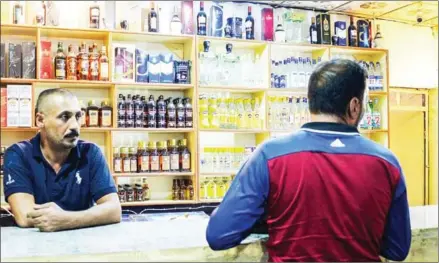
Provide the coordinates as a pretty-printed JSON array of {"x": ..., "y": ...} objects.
[{"x": 187, "y": 47}]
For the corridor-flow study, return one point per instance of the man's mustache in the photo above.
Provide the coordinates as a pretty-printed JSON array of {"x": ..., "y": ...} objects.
[{"x": 73, "y": 133}]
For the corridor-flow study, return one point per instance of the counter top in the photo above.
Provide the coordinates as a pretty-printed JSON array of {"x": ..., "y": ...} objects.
[{"x": 165, "y": 237}]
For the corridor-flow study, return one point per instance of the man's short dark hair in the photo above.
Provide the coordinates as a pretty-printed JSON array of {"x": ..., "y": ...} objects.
[
  {"x": 44, "y": 97},
  {"x": 333, "y": 84}
]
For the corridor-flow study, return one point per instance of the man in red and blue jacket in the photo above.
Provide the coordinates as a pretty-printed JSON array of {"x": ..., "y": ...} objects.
[{"x": 327, "y": 193}]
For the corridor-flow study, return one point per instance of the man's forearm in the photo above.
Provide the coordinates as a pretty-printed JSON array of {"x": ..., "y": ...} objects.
[{"x": 102, "y": 214}]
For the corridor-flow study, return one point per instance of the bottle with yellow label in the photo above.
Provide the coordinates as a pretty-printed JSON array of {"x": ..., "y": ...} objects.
[
  {"x": 257, "y": 122},
  {"x": 221, "y": 187},
  {"x": 213, "y": 114},
  {"x": 232, "y": 118},
  {"x": 211, "y": 189},
  {"x": 203, "y": 189},
  {"x": 204, "y": 113},
  {"x": 241, "y": 120}
]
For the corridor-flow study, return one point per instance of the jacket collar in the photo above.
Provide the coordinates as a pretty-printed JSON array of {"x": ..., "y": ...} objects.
[{"x": 330, "y": 127}]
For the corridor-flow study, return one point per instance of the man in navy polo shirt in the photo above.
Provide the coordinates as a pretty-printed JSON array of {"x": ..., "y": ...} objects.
[
  {"x": 56, "y": 181},
  {"x": 328, "y": 193}
]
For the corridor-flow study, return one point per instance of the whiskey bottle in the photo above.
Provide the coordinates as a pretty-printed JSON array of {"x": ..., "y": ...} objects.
[
  {"x": 71, "y": 64},
  {"x": 95, "y": 14},
  {"x": 117, "y": 161},
  {"x": 133, "y": 159},
  {"x": 129, "y": 112},
  {"x": 183, "y": 189},
  {"x": 121, "y": 113},
  {"x": 85, "y": 65},
  {"x": 92, "y": 114},
  {"x": 126, "y": 162},
  {"x": 190, "y": 190},
  {"x": 103, "y": 65},
  {"x": 142, "y": 158},
  {"x": 378, "y": 38},
  {"x": 152, "y": 19},
  {"x": 83, "y": 114},
  {"x": 94, "y": 63},
  {"x": 60, "y": 63},
  {"x": 201, "y": 21},
  {"x": 171, "y": 115},
  {"x": 175, "y": 190},
  {"x": 174, "y": 156},
  {"x": 154, "y": 157},
  {"x": 18, "y": 17},
  {"x": 313, "y": 31},
  {"x": 188, "y": 111},
  {"x": 352, "y": 34},
  {"x": 165, "y": 164},
  {"x": 105, "y": 115},
  {"x": 185, "y": 157},
  {"x": 176, "y": 25}
]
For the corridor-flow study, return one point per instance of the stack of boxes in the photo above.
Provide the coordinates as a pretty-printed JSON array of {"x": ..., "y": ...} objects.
[
  {"x": 17, "y": 110},
  {"x": 20, "y": 62}
]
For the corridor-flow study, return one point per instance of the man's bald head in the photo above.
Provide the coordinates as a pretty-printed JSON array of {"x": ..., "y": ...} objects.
[{"x": 47, "y": 98}]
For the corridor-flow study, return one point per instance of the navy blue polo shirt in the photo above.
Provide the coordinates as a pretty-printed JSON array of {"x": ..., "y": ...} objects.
[{"x": 82, "y": 180}]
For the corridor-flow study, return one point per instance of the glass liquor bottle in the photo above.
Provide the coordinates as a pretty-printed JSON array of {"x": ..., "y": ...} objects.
[
  {"x": 119, "y": 65},
  {"x": 175, "y": 190},
  {"x": 71, "y": 64},
  {"x": 152, "y": 19},
  {"x": 176, "y": 25},
  {"x": 190, "y": 190},
  {"x": 208, "y": 61},
  {"x": 279, "y": 33},
  {"x": 171, "y": 114},
  {"x": 313, "y": 31},
  {"x": 201, "y": 21},
  {"x": 83, "y": 114},
  {"x": 174, "y": 156},
  {"x": 129, "y": 112},
  {"x": 117, "y": 160},
  {"x": 151, "y": 112},
  {"x": 161, "y": 112},
  {"x": 60, "y": 63},
  {"x": 179, "y": 105},
  {"x": 105, "y": 115},
  {"x": 249, "y": 25},
  {"x": 133, "y": 159},
  {"x": 143, "y": 158},
  {"x": 146, "y": 191},
  {"x": 185, "y": 157},
  {"x": 121, "y": 113},
  {"x": 18, "y": 16},
  {"x": 92, "y": 114},
  {"x": 183, "y": 189},
  {"x": 103, "y": 65},
  {"x": 126, "y": 161},
  {"x": 352, "y": 34},
  {"x": 377, "y": 41},
  {"x": 94, "y": 63},
  {"x": 85, "y": 65},
  {"x": 40, "y": 17},
  {"x": 95, "y": 14},
  {"x": 138, "y": 112},
  {"x": 165, "y": 164},
  {"x": 154, "y": 157},
  {"x": 188, "y": 111}
]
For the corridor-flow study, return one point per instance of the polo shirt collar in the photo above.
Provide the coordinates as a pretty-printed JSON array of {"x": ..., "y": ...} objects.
[
  {"x": 37, "y": 153},
  {"x": 330, "y": 127}
]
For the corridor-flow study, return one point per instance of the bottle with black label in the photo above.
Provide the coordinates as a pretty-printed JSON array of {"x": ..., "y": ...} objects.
[
  {"x": 180, "y": 113},
  {"x": 121, "y": 111},
  {"x": 151, "y": 112},
  {"x": 188, "y": 111},
  {"x": 129, "y": 109},
  {"x": 138, "y": 112},
  {"x": 352, "y": 34},
  {"x": 161, "y": 112},
  {"x": 171, "y": 115},
  {"x": 145, "y": 111},
  {"x": 60, "y": 63}
]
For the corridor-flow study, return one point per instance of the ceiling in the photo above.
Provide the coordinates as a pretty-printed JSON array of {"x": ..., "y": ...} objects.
[{"x": 401, "y": 11}]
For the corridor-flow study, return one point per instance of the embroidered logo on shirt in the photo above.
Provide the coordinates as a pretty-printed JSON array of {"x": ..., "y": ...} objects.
[
  {"x": 337, "y": 143},
  {"x": 78, "y": 178},
  {"x": 10, "y": 180}
]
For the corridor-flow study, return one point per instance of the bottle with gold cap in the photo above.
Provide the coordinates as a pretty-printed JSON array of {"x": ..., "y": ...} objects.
[
  {"x": 153, "y": 157},
  {"x": 142, "y": 158},
  {"x": 126, "y": 162},
  {"x": 133, "y": 159},
  {"x": 83, "y": 119},
  {"x": 165, "y": 164},
  {"x": 105, "y": 116},
  {"x": 117, "y": 161},
  {"x": 174, "y": 156},
  {"x": 185, "y": 156},
  {"x": 92, "y": 114}
]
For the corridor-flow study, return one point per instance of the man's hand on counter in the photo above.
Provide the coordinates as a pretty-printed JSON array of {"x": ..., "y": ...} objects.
[{"x": 48, "y": 217}]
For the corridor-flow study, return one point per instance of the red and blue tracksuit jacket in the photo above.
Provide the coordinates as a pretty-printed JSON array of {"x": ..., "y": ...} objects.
[{"x": 328, "y": 194}]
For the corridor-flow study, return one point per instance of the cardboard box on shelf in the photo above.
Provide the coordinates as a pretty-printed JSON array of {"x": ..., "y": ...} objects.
[
  {"x": 3, "y": 107},
  {"x": 25, "y": 106},
  {"x": 15, "y": 61},
  {"x": 2, "y": 60},
  {"x": 46, "y": 71},
  {"x": 13, "y": 105},
  {"x": 28, "y": 63}
]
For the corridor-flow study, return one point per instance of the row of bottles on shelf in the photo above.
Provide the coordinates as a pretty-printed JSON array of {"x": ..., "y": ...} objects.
[
  {"x": 229, "y": 113},
  {"x": 230, "y": 68},
  {"x": 167, "y": 157},
  {"x": 292, "y": 72},
  {"x": 372, "y": 116},
  {"x": 95, "y": 116},
  {"x": 287, "y": 113},
  {"x": 214, "y": 187},
  {"x": 78, "y": 64},
  {"x": 137, "y": 192},
  {"x": 182, "y": 189},
  {"x": 224, "y": 159},
  {"x": 137, "y": 112}
]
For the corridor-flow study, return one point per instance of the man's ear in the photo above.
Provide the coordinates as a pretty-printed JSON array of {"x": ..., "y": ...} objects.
[
  {"x": 39, "y": 120},
  {"x": 355, "y": 107}
]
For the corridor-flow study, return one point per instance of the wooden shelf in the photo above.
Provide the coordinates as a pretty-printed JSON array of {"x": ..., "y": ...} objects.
[
  {"x": 282, "y": 131},
  {"x": 301, "y": 91},
  {"x": 237, "y": 43},
  {"x": 153, "y": 86},
  {"x": 233, "y": 130},
  {"x": 234, "y": 89},
  {"x": 171, "y": 174},
  {"x": 299, "y": 47},
  {"x": 35, "y": 129},
  {"x": 18, "y": 30},
  {"x": 127, "y": 36},
  {"x": 74, "y": 33},
  {"x": 377, "y": 93},
  {"x": 16, "y": 81},
  {"x": 217, "y": 174},
  {"x": 159, "y": 202},
  {"x": 373, "y": 131},
  {"x": 74, "y": 84},
  {"x": 217, "y": 200},
  {"x": 345, "y": 50},
  {"x": 154, "y": 130}
]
